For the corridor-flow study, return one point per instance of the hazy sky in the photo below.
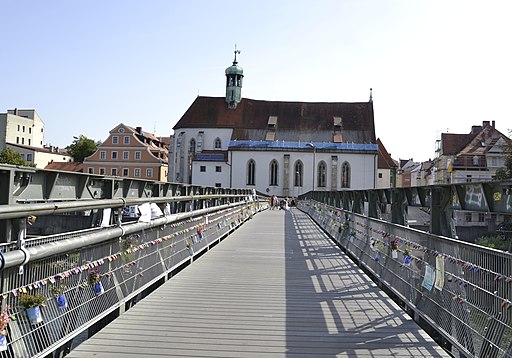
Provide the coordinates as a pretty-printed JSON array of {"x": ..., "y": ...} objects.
[{"x": 86, "y": 66}]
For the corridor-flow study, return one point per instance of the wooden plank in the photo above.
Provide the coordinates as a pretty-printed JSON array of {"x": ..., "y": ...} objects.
[{"x": 277, "y": 287}]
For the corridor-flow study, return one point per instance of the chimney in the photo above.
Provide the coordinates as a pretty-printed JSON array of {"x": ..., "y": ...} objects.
[
  {"x": 475, "y": 129},
  {"x": 493, "y": 124},
  {"x": 485, "y": 123},
  {"x": 16, "y": 111},
  {"x": 138, "y": 130}
]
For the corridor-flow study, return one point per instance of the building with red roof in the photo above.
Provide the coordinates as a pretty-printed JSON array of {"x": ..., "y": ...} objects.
[{"x": 275, "y": 147}]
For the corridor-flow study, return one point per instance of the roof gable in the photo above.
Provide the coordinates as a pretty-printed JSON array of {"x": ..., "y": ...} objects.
[
  {"x": 384, "y": 159},
  {"x": 480, "y": 141}
]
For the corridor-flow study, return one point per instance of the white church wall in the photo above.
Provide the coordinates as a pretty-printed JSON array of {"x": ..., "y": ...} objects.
[
  {"x": 179, "y": 156},
  {"x": 362, "y": 166},
  {"x": 210, "y": 134}
]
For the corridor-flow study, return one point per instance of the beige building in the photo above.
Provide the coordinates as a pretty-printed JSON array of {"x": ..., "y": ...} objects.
[
  {"x": 386, "y": 168},
  {"x": 22, "y": 127},
  {"x": 41, "y": 157},
  {"x": 130, "y": 152}
]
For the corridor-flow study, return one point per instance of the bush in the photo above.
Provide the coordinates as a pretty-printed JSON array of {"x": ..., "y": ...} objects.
[{"x": 494, "y": 242}]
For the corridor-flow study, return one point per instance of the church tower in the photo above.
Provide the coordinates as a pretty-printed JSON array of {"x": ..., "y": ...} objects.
[{"x": 234, "y": 76}]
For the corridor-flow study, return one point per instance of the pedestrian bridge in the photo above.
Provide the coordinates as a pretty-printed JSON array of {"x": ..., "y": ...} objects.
[
  {"x": 213, "y": 272},
  {"x": 277, "y": 287}
]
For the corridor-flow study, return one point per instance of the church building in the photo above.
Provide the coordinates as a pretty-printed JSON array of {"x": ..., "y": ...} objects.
[{"x": 281, "y": 148}]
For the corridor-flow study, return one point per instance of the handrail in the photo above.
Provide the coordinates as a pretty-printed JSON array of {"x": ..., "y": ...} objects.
[{"x": 14, "y": 211}]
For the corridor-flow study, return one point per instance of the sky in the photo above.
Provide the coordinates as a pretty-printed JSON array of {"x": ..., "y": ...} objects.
[{"x": 85, "y": 66}]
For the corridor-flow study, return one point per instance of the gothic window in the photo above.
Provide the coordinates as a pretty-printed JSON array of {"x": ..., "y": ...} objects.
[
  {"x": 251, "y": 172},
  {"x": 322, "y": 174},
  {"x": 191, "y": 153},
  {"x": 274, "y": 167},
  {"x": 192, "y": 146},
  {"x": 345, "y": 175},
  {"x": 218, "y": 143},
  {"x": 298, "y": 173}
]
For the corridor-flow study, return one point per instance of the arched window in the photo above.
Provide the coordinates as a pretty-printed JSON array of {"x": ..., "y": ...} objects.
[
  {"x": 298, "y": 173},
  {"x": 322, "y": 174},
  {"x": 217, "y": 144},
  {"x": 274, "y": 170},
  {"x": 251, "y": 172},
  {"x": 192, "y": 146},
  {"x": 345, "y": 175}
]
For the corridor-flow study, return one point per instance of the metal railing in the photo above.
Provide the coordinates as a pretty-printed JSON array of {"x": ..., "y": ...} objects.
[
  {"x": 461, "y": 290},
  {"x": 89, "y": 277}
]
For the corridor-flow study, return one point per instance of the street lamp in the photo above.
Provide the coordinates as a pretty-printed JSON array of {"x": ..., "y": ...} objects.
[{"x": 311, "y": 145}]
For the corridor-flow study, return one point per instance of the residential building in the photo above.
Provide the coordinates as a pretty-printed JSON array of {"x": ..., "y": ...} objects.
[
  {"x": 472, "y": 157},
  {"x": 22, "y": 127},
  {"x": 275, "y": 147},
  {"x": 130, "y": 152},
  {"x": 386, "y": 168},
  {"x": 411, "y": 173},
  {"x": 40, "y": 156}
]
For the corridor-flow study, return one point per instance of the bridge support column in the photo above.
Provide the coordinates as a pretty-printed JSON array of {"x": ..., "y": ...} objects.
[
  {"x": 373, "y": 205},
  {"x": 440, "y": 214},
  {"x": 398, "y": 213}
]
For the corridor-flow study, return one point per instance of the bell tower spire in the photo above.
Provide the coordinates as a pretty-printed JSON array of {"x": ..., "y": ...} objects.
[{"x": 234, "y": 76}]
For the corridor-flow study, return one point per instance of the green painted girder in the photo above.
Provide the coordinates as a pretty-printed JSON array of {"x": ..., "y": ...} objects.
[
  {"x": 24, "y": 185},
  {"x": 491, "y": 197}
]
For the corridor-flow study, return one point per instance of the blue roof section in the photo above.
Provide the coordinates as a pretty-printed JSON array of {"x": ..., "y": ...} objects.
[
  {"x": 210, "y": 157},
  {"x": 251, "y": 144}
]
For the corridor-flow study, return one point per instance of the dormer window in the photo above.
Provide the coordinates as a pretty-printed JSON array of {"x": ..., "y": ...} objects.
[
  {"x": 337, "y": 122},
  {"x": 337, "y": 126},
  {"x": 271, "y": 128}
]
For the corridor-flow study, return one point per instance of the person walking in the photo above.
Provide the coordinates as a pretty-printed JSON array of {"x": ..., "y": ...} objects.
[{"x": 275, "y": 202}]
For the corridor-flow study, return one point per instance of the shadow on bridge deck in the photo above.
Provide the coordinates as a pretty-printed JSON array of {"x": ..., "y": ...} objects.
[{"x": 277, "y": 287}]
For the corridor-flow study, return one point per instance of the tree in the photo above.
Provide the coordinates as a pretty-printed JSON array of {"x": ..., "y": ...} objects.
[
  {"x": 9, "y": 156},
  {"x": 82, "y": 147}
]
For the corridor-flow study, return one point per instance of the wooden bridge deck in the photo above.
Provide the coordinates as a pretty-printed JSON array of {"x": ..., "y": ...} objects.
[{"x": 277, "y": 287}]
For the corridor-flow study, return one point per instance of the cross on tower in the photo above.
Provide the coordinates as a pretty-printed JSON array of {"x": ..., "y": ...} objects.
[{"x": 236, "y": 52}]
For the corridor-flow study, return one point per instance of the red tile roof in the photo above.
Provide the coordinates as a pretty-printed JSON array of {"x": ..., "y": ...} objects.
[
  {"x": 66, "y": 166},
  {"x": 453, "y": 143},
  {"x": 478, "y": 142},
  {"x": 384, "y": 159},
  {"x": 297, "y": 121}
]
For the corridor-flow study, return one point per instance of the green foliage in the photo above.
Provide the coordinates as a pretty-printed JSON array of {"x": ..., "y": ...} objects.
[
  {"x": 494, "y": 242},
  {"x": 57, "y": 289},
  {"x": 10, "y": 156},
  {"x": 82, "y": 147},
  {"x": 29, "y": 301}
]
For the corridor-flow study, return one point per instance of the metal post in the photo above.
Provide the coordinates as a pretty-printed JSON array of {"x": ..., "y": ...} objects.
[{"x": 311, "y": 145}]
